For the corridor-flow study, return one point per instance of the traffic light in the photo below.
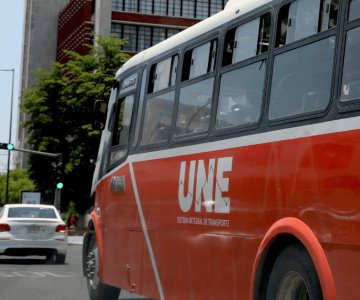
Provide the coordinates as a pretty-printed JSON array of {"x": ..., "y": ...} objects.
[
  {"x": 7, "y": 146},
  {"x": 59, "y": 185}
]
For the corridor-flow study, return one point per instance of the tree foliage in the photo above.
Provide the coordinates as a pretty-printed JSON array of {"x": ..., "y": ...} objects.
[
  {"x": 19, "y": 181},
  {"x": 60, "y": 105}
]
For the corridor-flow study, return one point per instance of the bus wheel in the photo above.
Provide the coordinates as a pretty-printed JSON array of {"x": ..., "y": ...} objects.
[
  {"x": 97, "y": 290},
  {"x": 294, "y": 276}
]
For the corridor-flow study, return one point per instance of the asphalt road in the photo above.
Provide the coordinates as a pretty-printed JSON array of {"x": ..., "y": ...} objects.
[{"x": 32, "y": 278}]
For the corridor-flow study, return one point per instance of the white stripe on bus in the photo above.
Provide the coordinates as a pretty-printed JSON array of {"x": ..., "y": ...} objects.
[
  {"x": 336, "y": 126},
  {"x": 146, "y": 234}
]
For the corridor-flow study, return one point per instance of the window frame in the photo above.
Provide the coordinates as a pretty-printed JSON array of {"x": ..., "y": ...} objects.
[
  {"x": 266, "y": 57},
  {"x": 202, "y": 40},
  {"x": 123, "y": 95},
  {"x": 349, "y": 25},
  {"x": 147, "y": 95},
  {"x": 278, "y": 50}
]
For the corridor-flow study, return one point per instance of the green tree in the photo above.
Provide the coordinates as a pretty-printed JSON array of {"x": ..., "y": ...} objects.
[
  {"x": 19, "y": 180},
  {"x": 60, "y": 105}
]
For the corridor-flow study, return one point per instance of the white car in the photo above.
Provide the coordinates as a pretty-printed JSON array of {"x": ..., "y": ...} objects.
[{"x": 32, "y": 229}]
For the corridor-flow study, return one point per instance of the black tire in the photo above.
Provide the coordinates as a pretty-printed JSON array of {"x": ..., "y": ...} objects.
[
  {"x": 294, "y": 276},
  {"x": 60, "y": 258},
  {"x": 96, "y": 289}
]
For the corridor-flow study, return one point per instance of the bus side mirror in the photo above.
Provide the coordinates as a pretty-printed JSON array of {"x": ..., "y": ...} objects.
[{"x": 99, "y": 115}]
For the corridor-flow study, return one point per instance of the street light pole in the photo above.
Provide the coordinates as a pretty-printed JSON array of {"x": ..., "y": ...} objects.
[{"x": 11, "y": 113}]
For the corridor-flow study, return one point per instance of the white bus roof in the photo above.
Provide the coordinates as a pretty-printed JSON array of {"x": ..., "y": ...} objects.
[{"x": 233, "y": 9}]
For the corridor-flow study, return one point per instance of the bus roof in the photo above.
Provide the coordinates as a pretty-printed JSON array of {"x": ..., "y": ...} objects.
[{"x": 233, "y": 9}]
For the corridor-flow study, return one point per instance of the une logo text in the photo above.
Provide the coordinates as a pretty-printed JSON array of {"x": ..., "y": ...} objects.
[{"x": 205, "y": 185}]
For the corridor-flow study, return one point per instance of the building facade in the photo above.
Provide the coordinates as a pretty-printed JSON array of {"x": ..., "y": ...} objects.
[
  {"x": 39, "y": 51},
  {"x": 143, "y": 22}
]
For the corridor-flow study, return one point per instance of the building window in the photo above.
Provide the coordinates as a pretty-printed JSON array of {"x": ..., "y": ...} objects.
[
  {"x": 129, "y": 33},
  {"x": 202, "y": 9},
  {"x": 158, "y": 35},
  {"x": 199, "y": 9},
  {"x": 117, "y": 5},
  {"x": 188, "y": 9},
  {"x": 160, "y": 7},
  {"x": 146, "y": 6},
  {"x": 144, "y": 38},
  {"x": 174, "y": 8},
  {"x": 141, "y": 37},
  {"x": 131, "y": 5}
]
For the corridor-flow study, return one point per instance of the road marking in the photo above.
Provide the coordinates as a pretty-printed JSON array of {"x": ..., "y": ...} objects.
[{"x": 29, "y": 274}]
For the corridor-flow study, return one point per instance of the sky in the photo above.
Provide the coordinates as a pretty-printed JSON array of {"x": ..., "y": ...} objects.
[{"x": 11, "y": 39}]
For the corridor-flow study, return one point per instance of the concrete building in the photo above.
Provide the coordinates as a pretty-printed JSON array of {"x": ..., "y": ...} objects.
[{"x": 39, "y": 51}]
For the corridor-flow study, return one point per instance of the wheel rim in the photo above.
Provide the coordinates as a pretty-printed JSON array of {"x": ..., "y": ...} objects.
[
  {"x": 92, "y": 268},
  {"x": 292, "y": 286}
]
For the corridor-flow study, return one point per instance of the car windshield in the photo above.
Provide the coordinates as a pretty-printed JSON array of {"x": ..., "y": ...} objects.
[{"x": 31, "y": 212}]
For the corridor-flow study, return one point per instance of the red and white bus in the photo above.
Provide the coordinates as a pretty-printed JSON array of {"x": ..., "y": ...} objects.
[{"x": 229, "y": 164}]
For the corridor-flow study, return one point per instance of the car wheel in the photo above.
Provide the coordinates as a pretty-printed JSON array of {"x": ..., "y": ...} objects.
[
  {"x": 294, "y": 276},
  {"x": 60, "y": 258},
  {"x": 96, "y": 289}
]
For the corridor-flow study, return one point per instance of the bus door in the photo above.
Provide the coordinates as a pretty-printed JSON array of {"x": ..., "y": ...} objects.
[{"x": 122, "y": 230}]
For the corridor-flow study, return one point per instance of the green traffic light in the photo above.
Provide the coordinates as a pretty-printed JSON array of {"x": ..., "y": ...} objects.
[
  {"x": 10, "y": 147},
  {"x": 59, "y": 185}
]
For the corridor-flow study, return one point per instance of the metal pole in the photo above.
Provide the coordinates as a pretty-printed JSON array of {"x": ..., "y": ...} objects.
[{"x": 11, "y": 112}]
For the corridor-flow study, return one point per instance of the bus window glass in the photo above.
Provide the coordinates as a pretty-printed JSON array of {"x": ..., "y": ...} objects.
[
  {"x": 299, "y": 19},
  {"x": 354, "y": 11},
  {"x": 240, "y": 96},
  {"x": 163, "y": 74},
  {"x": 350, "y": 87},
  {"x": 121, "y": 130},
  {"x": 302, "y": 80},
  {"x": 194, "y": 108},
  {"x": 158, "y": 117},
  {"x": 303, "y": 19},
  {"x": 246, "y": 37},
  {"x": 247, "y": 40},
  {"x": 200, "y": 60}
]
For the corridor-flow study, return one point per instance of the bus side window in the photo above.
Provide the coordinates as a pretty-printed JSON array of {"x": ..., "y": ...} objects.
[
  {"x": 301, "y": 81},
  {"x": 200, "y": 60},
  {"x": 354, "y": 11},
  {"x": 350, "y": 83},
  {"x": 303, "y": 18},
  {"x": 121, "y": 129},
  {"x": 158, "y": 119},
  {"x": 194, "y": 109},
  {"x": 247, "y": 40},
  {"x": 163, "y": 74},
  {"x": 240, "y": 96}
]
